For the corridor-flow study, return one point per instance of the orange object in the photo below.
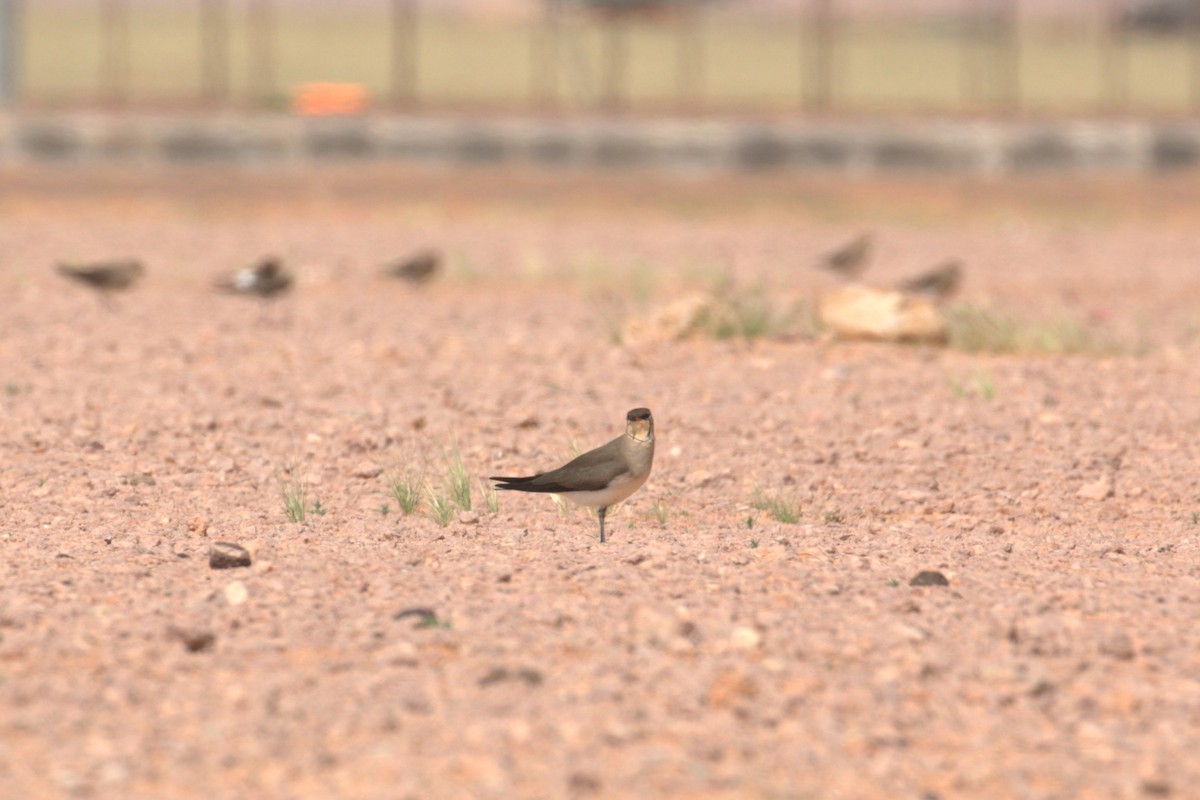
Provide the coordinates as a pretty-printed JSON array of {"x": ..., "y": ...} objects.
[{"x": 329, "y": 99}]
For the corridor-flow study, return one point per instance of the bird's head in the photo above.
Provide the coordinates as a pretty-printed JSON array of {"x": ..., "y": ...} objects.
[{"x": 639, "y": 424}]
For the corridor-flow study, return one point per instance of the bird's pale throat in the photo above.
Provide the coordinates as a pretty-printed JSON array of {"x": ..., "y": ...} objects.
[{"x": 640, "y": 429}]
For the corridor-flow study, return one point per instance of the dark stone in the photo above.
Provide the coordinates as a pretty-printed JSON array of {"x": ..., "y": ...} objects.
[
  {"x": 227, "y": 555},
  {"x": 929, "y": 577}
]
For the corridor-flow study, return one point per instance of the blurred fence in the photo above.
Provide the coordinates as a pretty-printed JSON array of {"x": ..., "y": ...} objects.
[{"x": 684, "y": 56}]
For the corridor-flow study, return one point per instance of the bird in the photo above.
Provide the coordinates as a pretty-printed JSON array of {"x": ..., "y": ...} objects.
[
  {"x": 851, "y": 259},
  {"x": 420, "y": 267},
  {"x": 602, "y": 477},
  {"x": 105, "y": 277},
  {"x": 937, "y": 283},
  {"x": 268, "y": 278}
]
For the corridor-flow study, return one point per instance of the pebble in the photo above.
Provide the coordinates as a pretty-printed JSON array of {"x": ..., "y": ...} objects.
[
  {"x": 744, "y": 638},
  {"x": 227, "y": 555},
  {"x": 929, "y": 577},
  {"x": 236, "y": 593},
  {"x": 1099, "y": 489},
  {"x": 366, "y": 470}
]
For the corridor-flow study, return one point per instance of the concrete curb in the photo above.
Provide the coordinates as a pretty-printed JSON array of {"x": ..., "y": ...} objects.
[{"x": 928, "y": 146}]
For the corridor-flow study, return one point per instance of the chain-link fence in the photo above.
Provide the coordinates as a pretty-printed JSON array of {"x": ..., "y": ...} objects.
[{"x": 680, "y": 56}]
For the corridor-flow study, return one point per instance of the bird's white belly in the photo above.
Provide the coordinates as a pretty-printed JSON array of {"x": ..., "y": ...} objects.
[{"x": 615, "y": 492}]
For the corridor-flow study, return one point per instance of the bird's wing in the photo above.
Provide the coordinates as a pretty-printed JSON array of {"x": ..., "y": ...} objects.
[{"x": 590, "y": 472}]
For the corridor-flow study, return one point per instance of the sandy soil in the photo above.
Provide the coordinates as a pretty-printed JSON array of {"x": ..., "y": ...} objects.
[{"x": 707, "y": 649}]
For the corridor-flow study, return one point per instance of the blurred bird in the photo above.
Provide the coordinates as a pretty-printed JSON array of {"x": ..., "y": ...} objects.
[
  {"x": 421, "y": 267},
  {"x": 266, "y": 279},
  {"x": 105, "y": 277},
  {"x": 851, "y": 259},
  {"x": 938, "y": 283}
]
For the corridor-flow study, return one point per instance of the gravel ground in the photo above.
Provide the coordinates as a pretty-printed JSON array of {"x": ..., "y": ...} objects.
[{"x": 708, "y": 649}]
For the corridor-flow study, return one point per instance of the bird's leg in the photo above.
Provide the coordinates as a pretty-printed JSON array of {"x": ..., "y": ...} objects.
[{"x": 600, "y": 513}]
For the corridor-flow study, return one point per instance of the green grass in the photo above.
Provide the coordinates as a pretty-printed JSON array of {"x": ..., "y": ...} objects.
[
  {"x": 439, "y": 505},
  {"x": 491, "y": 498},
  {"x": 295, "y": 498},
  {"x": 406, "y": 487},
  {"x": 783, "y": 507},
  {"x": 978, "y": 384},
  {"x": 979, "y": 329},
  {"x": 659, "y": 509},
  {"x": 458, "y": 483},
  {"x": 751, "y": 62}
]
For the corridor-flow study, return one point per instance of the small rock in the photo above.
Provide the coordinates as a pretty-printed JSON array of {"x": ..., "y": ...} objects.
[
  {"x": 236, "y": 593},
  {"x": 1099, "y": 489},
  {"x": 194, "y": 639},
  {"x": 729, "y": 687},
  {"x": 227, "y": 555},
  {"x": 366, "y": 470},
  {"x": 198, "y": 525},
  {"x": 469, "y": 517},
  {"x": 530, "y": 677},
  {"x": 1156, "y": 787},
  {"x": 929, "y": 577},
  {"x": 860, "y": 312},
  {"x": 1118, "y": 646},
  {"x": 744, "y": 638}
]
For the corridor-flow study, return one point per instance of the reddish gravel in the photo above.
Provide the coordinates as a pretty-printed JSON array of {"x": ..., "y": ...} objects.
[{"x": 718, "y": 653}]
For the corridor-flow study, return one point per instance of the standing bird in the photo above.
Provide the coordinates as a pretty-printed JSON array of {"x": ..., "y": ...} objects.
[
  {"x": 267, "y": 279},
  {"x": 420, "y": 267},
  {"x": 938, "y": 283},
  {"x": 105, "y": 277},
  {"x": 602, "y": 477},
  {"x": 851, "y": 259}
]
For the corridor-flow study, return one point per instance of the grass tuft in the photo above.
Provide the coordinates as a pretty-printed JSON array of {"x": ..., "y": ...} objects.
[
  {"x": 440, "y": 506},
  {"x": 978, "y": 384},
  {"x": 491, "y": 499},
  {"x": 458, "y": 483},
  {"x": 783, "y": 507},
  {"x": 295, "y": 498},
  {"x": 406, "y": 490},
  {"x": 978, "y": 329}
]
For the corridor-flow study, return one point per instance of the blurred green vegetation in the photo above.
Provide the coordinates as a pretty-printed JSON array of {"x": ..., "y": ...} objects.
[{"x": 749, "y": 63}]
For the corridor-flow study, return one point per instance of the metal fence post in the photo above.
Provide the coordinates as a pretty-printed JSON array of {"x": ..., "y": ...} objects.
[
  {"x": 689, "y": 56},
  {"x": 262, "y": 52},
  {"x": 10, "y": 42},
  {"x": 404, "y": 52},
  {"x": 616, "y": 57},
  {"x": 214, "y": 50},
  {"x": 1194, "y": 38},
  {"x": 546, "y": 35},
  {"x": 1009, "y": 41},
  {"x": 115, "y": 50},
  {"x": 818, "y": 82},
  {"x": 1114, "y": 65}
]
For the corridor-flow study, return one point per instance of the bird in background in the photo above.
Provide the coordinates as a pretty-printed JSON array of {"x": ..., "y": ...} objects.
[
  {"x": 268, "y": 278},
  {"x": 105, "y": 277},
  {"x": 938, "y": 283},
  {"x": 418, "y": 268},
  {"x": 851, "y": 259},
  {"x": 602, "y": 477}
]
